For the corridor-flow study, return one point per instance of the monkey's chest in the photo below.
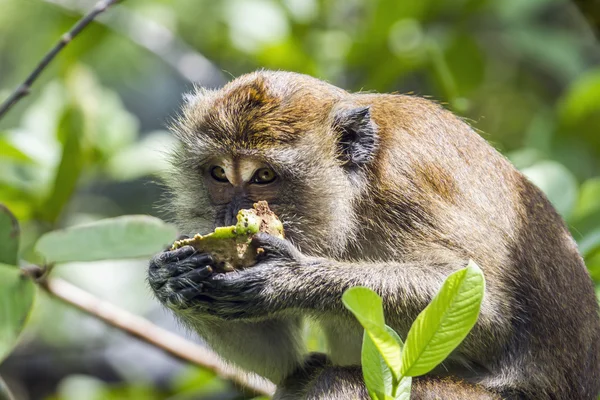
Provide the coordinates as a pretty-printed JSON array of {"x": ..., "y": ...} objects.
[{"x": 344, "y": 339}]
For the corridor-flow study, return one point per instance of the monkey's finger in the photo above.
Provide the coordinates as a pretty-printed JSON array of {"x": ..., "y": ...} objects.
[
  {"x": 159, "y": 274},
  {"x": 172, "y": 256},
  {"x": 199, "y": 273},
  {"x": 189, "y": 264},
  {"x": 192, "y": 278},
  {"x": 182, "y": 298},
  {"x": 195, "y": 261},
  {"x": 275, "y": 246}
]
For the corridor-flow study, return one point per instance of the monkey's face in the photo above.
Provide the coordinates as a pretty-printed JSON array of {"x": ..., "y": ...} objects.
[
  {"x": 276, "y": 137},
  {"x": 311, "y": 194},
  {"x": 236, "y": 183}
]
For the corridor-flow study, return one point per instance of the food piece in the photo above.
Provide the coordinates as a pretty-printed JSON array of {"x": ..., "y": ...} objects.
[{"x": 231, "y": 246}]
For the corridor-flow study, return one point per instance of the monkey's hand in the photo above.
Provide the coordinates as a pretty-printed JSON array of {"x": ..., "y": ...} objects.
[
  {"x": 238, "y": 295},
  {"x": 184, "y": 279},
  {"x": 176, "y": 276}
]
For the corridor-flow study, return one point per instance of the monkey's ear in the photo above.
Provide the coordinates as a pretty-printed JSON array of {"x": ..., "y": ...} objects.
[{"x": 358, "y": 136}]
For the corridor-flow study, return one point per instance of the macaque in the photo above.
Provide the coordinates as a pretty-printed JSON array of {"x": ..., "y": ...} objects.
[{"x": 391, "y": 192}]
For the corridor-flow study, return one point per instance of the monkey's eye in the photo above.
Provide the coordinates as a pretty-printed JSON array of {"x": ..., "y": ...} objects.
[
  {"x": 218, "y": 174},
  {"x": 263, "y": 176}
]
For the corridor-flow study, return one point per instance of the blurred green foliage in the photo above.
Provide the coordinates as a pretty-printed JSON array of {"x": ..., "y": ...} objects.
[{"x": 88, "y": 142}]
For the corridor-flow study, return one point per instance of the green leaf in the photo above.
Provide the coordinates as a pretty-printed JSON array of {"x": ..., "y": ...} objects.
[
  {"x": 114, "y": 238},
  {"x": 377, "y": 375},
  {"x": 365, "y": 304},
  {"x": 404, "y": 388},
  {"x": 70, "y": 131},
  {"x": 586, "y": 216},
  {"x": 445, "y": 322},
  {"x": 9, "y": 237},
  {"x": 593, "y": 264},
  {"x": 588, "y": 198},
  {"x": 194, "y": 382},
  {"x": 9, "y": 151},
  {"x": 530, "y": 42},
  {"x": 109, "y": 126},
  {"x": 367, "y": 307},
  {"x": 466, "y": 61},
  {"x": 143, "y": 158},
  {"x": 557, "y": 182},
  {"x": 16, "y": 298},
  {"x": 588, "y": 203},
  {"x": 590, "y": 243},
  {"x": 582, "y": 98}
]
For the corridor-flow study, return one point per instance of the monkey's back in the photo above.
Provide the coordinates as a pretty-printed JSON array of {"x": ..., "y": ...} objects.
[{"x": 450, "y": 194}]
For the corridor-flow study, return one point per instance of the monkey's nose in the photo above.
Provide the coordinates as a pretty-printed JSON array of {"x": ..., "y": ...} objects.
[
  {"x": 237, "y": 204},
  {"x": 230, "y": 216}
]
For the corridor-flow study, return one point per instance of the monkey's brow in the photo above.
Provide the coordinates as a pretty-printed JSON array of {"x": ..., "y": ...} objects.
[
  {"x": 204, "y": 159},
  {"x": 200, "y": 159}
]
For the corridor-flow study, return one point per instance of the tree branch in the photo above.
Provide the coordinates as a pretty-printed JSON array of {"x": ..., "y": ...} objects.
[
  {"x": 24, "y": 89},
  {"x": 157, "y": 39},
  {"x": 590, "y": 9},
  {"x": 143, "y": 329},
  {"x": 5, "y": 393}
]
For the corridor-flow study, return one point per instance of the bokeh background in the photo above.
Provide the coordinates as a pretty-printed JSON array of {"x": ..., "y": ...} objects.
[{"x": 89, "y": 141}]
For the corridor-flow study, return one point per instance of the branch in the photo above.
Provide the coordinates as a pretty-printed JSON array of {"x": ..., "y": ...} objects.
[
  {"x": 5, "y": 393},
  {"x": 24, "y": 89},
  {"x": 590, "y": 9},
  {"x": 148, "y": 332},
  {"x": 157, "y": 39}
]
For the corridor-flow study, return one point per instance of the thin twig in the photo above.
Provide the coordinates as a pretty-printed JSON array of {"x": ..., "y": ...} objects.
[
  {"x": 148, "y": 332},
  {"x": 5, "y": 393},
  {"x": 24, "y": 89},
  {"x": 157, "y": 39},
  {"x": 591, "y": 11}
]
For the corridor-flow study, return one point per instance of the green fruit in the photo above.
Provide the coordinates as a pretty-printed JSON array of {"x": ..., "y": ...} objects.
[{"x": 231, "y": 246}]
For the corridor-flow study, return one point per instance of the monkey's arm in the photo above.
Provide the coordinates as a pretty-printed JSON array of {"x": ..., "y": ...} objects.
[
  {"x": 271, "y": 347},
  {"x": 288, "y": 283}
]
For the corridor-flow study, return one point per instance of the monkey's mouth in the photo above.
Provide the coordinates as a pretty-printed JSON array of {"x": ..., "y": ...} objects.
[{"x": 227, "y": 214}]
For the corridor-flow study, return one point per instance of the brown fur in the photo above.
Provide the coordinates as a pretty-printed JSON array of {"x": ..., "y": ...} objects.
[
  {"x": 433, "y": 196},
  {"x": 318, "y": 379}
]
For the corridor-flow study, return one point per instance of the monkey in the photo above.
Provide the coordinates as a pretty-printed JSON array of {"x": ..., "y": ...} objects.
[{"x": 388, "y": 191}]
